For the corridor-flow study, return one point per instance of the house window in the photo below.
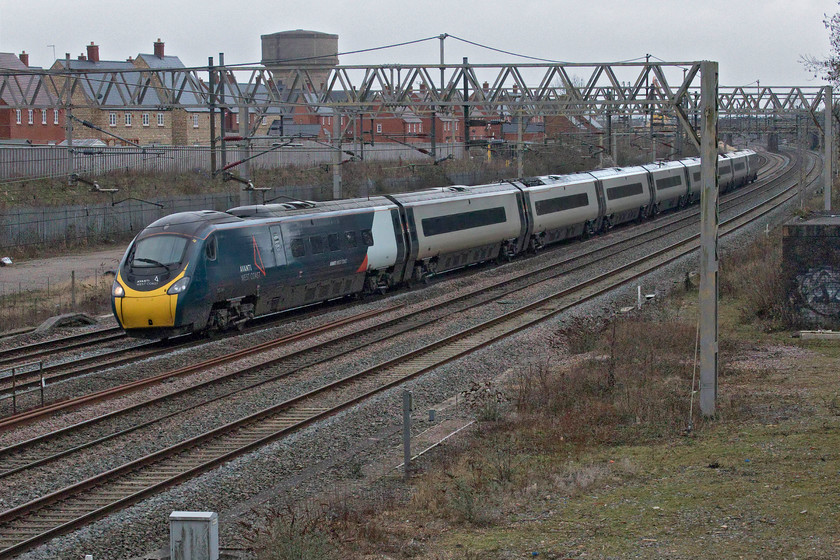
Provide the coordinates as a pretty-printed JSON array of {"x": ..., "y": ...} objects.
[
  {"x": 263, "y": 121},
  {"x": 420, "y": 128},
  {"x": 43, "y": 116},
  {"x": 237, "y": 118},
  {"x": 160, "y": 119},
  {"x": 195, "y": 121},
  {"x": 145, "y": 119},
  {"x": 379, "y": 128},
  {"x": 128, "y": 119},
  {"x": 55, "y": 116},
  {"x": 17, "y": 116},
  {"x": 456, "y": 125},
  {"x": 31, "y": 116}
]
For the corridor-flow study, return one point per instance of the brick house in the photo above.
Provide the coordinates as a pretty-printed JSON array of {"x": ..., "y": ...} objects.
[
  {"x": 44, "y": 125},
  {"x": 152, "y": 122}
]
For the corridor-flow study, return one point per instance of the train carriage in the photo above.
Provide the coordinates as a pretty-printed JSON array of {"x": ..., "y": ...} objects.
[
  {"x": 740, "y": 167},
  {"x": 562, "y": 207},
  {"x": 670, "y": 185},
  {"x": 627, "y": 194},
  {"x": 451, "y": 227}
]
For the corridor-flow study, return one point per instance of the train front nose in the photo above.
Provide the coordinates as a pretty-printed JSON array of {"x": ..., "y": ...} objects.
[{"x": 138, "y": 310}]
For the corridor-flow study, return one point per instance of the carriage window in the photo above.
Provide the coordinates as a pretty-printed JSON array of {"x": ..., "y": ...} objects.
[
  {"x": 624, "y": 191},
  {"x": 332, "y": 242},
  {"x": 463, "y": 220},
  {"x": 317, "y": 243},
  {"x": 298, "y": 250},
  {"x": 350, "y": 237},
  {"x": 210, "y": 249},
  {"x": 561, "y": 203},
  {"x": 367, "y": 237},
  {"x": 668, "y": 182}
]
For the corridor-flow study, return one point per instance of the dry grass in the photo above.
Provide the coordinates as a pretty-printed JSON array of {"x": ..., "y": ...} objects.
[
  {"x": 584, "y": 452},
  {"x": 28, "y": 308},
  {"x": 752, "y": 278}
]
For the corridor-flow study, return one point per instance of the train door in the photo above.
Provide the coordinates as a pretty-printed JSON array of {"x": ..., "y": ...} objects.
[{"x": 277, "y": 245}]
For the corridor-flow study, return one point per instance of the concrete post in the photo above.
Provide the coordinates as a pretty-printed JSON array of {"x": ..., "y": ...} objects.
[
  {"x": 68, "y": 121},
  {"x": 336, "y": 141},
  {"x": 407, "y": 432},
  {"x": 829, "y": 147},
  {"x": 708, "y": 239},
  {"x": 246, "y": 197},
  {"x": 519, "y": 148},
  {"x": 222, "y": 111},
  {"x": 212, "y": 84}
]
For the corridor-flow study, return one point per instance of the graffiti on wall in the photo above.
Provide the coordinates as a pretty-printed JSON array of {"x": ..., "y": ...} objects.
[{"x": 818, "y": 291}]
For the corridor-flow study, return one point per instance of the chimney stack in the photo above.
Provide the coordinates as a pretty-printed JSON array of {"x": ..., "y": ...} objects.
[
  {"x": 93, "y": 52},
  {"x": 82, "y": 56},
  {"x": 24, "y": 57},
  {"x": 159, "y": 48}
]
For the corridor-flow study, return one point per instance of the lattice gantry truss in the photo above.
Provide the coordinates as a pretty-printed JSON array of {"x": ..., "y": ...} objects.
[{"x": 520, "y": 89}]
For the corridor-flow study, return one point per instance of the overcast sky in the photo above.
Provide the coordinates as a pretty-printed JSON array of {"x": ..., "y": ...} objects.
[{"x": 752, "y": 40}]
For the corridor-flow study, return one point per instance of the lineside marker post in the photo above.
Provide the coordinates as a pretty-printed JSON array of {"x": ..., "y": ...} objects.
[
  {"x": 708, "y": 239},
  {"x": 407, "y": 433}
]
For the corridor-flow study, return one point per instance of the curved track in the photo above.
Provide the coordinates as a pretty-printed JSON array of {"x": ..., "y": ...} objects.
[{"x": 71, "y": 507}]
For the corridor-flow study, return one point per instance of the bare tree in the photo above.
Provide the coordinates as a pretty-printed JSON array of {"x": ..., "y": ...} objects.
[{"x": 827, "y": 68}]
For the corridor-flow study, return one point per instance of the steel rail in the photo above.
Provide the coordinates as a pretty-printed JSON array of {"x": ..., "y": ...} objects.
[
  {"x": 125, "y": 485},
  {"x": 30, "y": 415},
  {"x": 15, "y": 458}
]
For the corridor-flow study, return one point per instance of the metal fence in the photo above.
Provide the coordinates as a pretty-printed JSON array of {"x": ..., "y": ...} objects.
[
  {"x": 24, "y": 226},
  {"x": 30, "y": 162}
]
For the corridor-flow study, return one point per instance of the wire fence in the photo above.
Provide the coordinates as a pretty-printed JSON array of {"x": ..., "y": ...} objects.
[
  {"x": 33, "y": 162},
  {"x": 26, "y": 304}
]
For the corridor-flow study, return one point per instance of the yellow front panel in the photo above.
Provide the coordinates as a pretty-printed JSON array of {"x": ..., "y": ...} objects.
[
  {"x": 155, "y": 311},
  {"x": 137, "y": 310}
]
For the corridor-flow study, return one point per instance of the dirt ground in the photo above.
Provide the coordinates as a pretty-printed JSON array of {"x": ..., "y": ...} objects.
[{"x": 35, "y": 273}]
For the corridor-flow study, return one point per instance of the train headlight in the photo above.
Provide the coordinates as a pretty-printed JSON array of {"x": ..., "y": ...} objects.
[
  {"x": 179, "y": 287},
  {"x": 117, "y": 290}
]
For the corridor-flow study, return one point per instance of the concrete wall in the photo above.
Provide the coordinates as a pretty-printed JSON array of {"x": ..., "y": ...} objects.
[{"x": 811, "y": 257}]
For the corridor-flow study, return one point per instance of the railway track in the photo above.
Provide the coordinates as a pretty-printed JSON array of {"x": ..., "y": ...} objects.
[
  {"x": 133, "y": 481},
  {"x": 664, "y": 226},
  {"x": 35, "y": 377},
  {"x": 30, "y": 453},
  {"x": 43, "y": 349},
  {"x": 22, "y": 376}
]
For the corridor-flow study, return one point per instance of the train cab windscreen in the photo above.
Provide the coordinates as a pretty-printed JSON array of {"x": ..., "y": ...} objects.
[{"x": 159, "y": 257}]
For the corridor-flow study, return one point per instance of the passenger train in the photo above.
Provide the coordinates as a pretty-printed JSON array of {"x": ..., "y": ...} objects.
[{"x": 206, "y": 270}]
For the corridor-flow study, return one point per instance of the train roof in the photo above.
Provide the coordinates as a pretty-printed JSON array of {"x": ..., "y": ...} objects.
[
  {"x": 189, "y": 223},
  {"x": 296, "y": 208},
  {"x": 453, "y": 192},
  {"x": 556, "y": 180},
  {"x": 663, "y": 165},
  {"x": 617, "y": 172}
]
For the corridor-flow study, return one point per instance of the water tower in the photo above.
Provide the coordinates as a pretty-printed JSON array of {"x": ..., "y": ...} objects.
[{"x": 313, "y": 50}]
